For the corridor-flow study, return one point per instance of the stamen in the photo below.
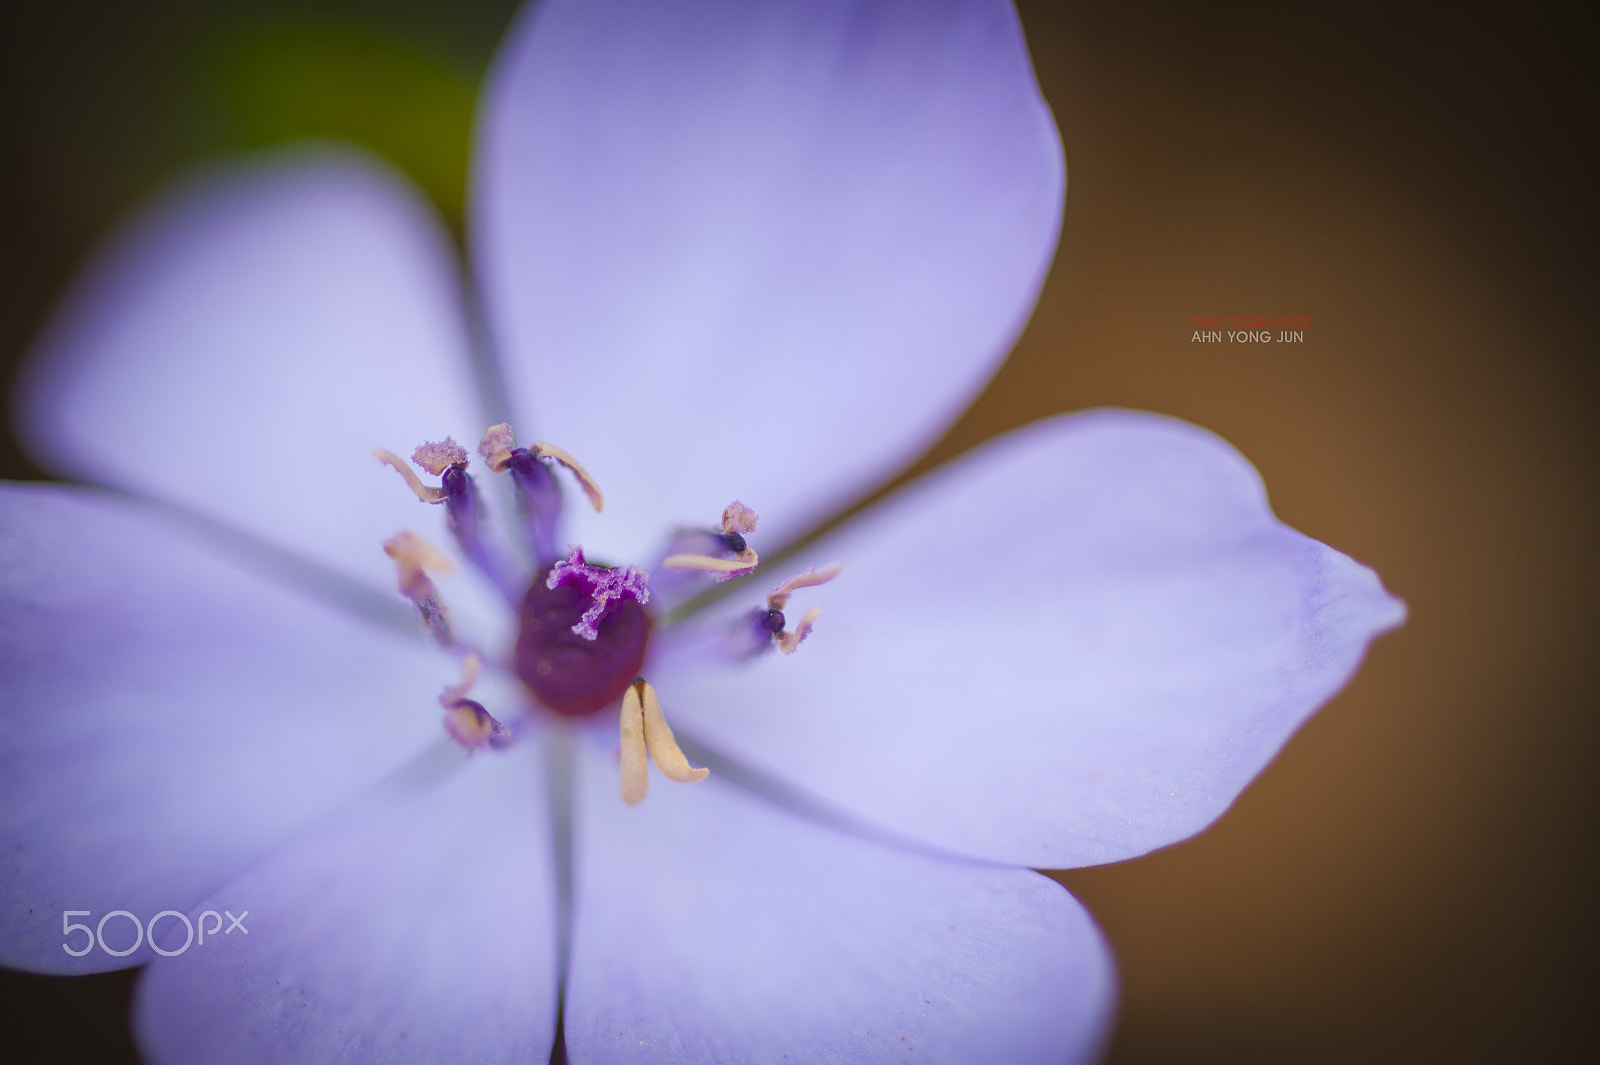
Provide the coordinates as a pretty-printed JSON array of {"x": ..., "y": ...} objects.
[
  {"x": 644, "y": 728},
  {"x": 412, "y": 555},
  {"x": 436, "y": 458},
  {"x": 466, "y": 720},
  {"x": 605, "y": 585},
  {"x": 409, "y": 549},
  {"x": 590, "y": 488},
  {"x": 762, "y": 629},
  {"x": 426, "y": 493},
  {"x": 537, "y": 488},
  {"x": 540, "y": 496},
  {"x": 465, "y": 513},
  {"x": 737, "y": 519},
  {"x": 635, "y": 772},
  {"x": 447, "y": 460},
  {"x": 723, "y": 569},
  {"x": 778, "y": 598},
  {"x": 788, "y": 642},
  {"x": 470, "y": 725},
  {"x": 471, "y": 666},
  {"x": 658, "y": 737},
  {"x": 497, "y": 446}
]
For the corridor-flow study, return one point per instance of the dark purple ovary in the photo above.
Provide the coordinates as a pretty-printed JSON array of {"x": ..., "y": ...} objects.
[{"x": 565, "y": 672}]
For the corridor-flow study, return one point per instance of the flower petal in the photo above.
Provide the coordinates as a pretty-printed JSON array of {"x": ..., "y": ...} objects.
[
  {"x": 418, "y": 929},
  {"x": 1072, "y": 646},
  {"x": 167, "y": 717},
  {"x": 757, "y": 250},
  {"x": 242, "y": 348},
  {"x": 711, "y": 926}
]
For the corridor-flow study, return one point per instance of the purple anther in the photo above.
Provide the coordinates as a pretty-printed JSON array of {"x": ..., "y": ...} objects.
[
  {"x": 735, "y": 543},
  {"x": 462, "y": 503},
  {"x": 752, "y": 634},
  {"x": 540, "y": 494},
  {"x": 604, "y": 585}
]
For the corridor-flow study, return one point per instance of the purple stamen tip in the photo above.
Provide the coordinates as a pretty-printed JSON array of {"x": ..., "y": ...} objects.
[
  {"x": 461, "y": 498},
  {"x": 604, "y": 585}
]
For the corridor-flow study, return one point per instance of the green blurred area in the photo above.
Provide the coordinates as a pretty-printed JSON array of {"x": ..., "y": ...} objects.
[
  {"x": 102, "y": 105},
  {"x": 269, "y": 82}
]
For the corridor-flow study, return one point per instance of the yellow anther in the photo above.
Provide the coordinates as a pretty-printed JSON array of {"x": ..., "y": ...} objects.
[
  {"x": 644, "y": 729},
  {"x": 426, "y": 493},
  {"x": 590, "y": 488}
]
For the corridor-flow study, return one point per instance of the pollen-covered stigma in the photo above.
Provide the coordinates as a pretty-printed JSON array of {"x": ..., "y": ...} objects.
[{"x": 583, "y": 628}]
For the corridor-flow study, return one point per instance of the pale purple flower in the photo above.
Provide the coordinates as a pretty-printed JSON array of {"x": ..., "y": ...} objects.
[{"x": 724, "y": 250}]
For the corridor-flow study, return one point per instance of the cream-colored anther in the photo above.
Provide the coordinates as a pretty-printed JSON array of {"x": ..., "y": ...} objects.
[
  {"x": 635, "y": 773},
  {"x": 744, "y": 562},
  {"x": 426, "y": 493},
  {"x": 645, "y": 732},
  {"x": 590, "y": 488},
  {"x": 663, "y": 748},
  {"x": 778, "y": 598},
  {"x": 497, "y": 445},
  {"x": 738, "y": 518},
  {"x": 469, "y": 725},
  {"x": 440, "y": 456},
  {"x": 789, "y": 641},
  {"x": 471, "y": 666},
  {"x": 413, "y": 557},
  {"x": 412, "y": 552}
]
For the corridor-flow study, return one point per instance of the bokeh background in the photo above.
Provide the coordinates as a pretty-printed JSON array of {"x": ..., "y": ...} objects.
[{"x": 1415, "y": 878}]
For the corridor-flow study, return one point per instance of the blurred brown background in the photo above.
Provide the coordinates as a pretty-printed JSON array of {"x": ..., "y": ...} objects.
[{"x": 1415, "y": 878}]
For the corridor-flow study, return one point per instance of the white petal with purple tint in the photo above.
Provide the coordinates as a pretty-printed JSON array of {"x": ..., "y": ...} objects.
[
  {"x": 243, "y": 347},
  {"x": 420, "y": 927},
  {"x": 712, "y": 927},
  {"x": 1072, "y": 646},
  {"x": 167, "y": 717},
  {"x": 757, "y": 250}
]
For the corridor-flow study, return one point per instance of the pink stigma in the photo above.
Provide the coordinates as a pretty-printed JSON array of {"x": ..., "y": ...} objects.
[{"x": 603, "y": 585}]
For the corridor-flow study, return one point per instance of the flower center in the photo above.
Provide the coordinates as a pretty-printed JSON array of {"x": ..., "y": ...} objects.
[
  {"x": 568, "y": 671},
  {"x": 582, "y": 628}
]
